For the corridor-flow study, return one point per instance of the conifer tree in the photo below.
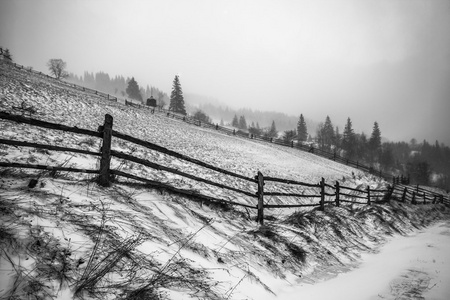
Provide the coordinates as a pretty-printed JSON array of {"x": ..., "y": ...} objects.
[
  {"x": 176, "y": 97},
  {"x": 273, "y": 130},
  {"x": 375, "y": 138},
  {"x": 235, "y": 122},
  {"x": 325, "y": 134},
  {"x": 242, "y": 123},
  {"x": 375, "y": 144},
  {"x": 348, "y": 140},
  {"x": 133, "y": 90},
  {"x": 302, "y": 130}
]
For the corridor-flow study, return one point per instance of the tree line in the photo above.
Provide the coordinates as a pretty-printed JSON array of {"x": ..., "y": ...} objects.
[
  {"x": 119, "y": 86},
  {"x": 424, "y": 163}
]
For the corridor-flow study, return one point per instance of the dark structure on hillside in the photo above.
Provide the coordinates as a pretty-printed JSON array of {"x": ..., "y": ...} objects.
[{"x": 151, "y": 101}]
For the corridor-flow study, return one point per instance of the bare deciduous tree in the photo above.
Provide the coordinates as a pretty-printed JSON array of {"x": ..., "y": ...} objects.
[{"x": 57, "y": 68}]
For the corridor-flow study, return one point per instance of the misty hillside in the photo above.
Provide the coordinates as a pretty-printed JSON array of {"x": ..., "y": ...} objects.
[
  {"x": 67, "y": 238},
  {"x": 219, "y": 111}
]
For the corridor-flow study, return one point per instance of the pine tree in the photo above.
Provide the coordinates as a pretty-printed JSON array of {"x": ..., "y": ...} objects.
[
  {"x": 326, "y": 134},
  {"x": 302, "y": 130},
  {"x": 348, "y": 140},
  {"x": 273, "y": 130},
  {"x": 133, "y": 90},
  {"x": 176, "y": 97},
  {"x": 235, "y": 122},
  {"x": 242, "y": 123},
  {"x": 375, "y": 138}
]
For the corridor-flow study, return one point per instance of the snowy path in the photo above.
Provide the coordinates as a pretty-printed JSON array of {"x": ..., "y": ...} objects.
[{"x": 411, "y": 267}]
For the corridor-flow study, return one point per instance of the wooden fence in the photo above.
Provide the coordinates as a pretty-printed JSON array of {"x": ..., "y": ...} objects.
[
  {"x": 324, "y": 192},
  {"x": 189, "y": 119}
]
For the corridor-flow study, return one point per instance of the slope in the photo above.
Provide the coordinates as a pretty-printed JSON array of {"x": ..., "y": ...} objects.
[{"x": 68, "y": 237}]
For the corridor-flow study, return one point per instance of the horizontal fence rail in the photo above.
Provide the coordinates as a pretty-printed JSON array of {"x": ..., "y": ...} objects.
[{"x": 325, "y": 193}]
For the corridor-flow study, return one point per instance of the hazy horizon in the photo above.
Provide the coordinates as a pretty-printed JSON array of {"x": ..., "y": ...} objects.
[{"x": 386, "y": 61}]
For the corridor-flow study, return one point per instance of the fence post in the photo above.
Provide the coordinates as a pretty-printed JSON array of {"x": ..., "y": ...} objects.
[
  {"x": 434, "y": 200},
  {"x": 368, "y": 195},
  {"x": 404, "y": 195},
  {"x": 337, "y": 193},
  {"x": 424, "y": 198},
  {"x": 387, "y": 196},
  {"x": 105, "y": 160},
  {"x": 260, "y": 216},
  {"x": 413, "y": 200},
  {"x": 322, "y": 194}
]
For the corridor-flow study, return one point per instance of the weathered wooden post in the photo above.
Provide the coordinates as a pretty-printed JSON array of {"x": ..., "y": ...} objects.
[
  {"x": 424, "y": 198},
  {"x": 260, "y": 217},
  {"x": 404, "y": 195},
  {"x": 413, "y": 200},
  {"x": 434, "y": 199},
  {"x": 337, "y": 193},
  {"x": 105, "y": 160},
  {"x": 322, "y": 194},
  {"x": 390, "y": 191},
  {"x": 368, "y": 195}
]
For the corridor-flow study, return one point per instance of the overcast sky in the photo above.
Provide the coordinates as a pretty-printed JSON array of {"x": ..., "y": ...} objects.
[{"x": 370, "y": 60}]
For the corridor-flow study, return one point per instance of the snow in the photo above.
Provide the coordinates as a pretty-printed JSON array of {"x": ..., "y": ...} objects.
[
  {"x": 404, "y": 260},
  {"x": 211, "y": 251}
]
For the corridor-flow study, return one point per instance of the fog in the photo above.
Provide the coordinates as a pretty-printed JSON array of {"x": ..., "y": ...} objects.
[{"x": 386, "y": 61}]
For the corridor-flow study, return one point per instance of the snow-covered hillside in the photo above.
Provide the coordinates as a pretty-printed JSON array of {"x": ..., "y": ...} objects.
[{"x": 68, "y": 237}]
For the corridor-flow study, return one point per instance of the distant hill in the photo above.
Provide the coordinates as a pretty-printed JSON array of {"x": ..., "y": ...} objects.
[{"x": 220, "y": 111}]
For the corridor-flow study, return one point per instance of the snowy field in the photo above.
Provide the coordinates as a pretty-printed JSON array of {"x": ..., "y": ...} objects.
[
  {"x": 416, "y": 266},
  {"x": 68, "y": 238}
]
